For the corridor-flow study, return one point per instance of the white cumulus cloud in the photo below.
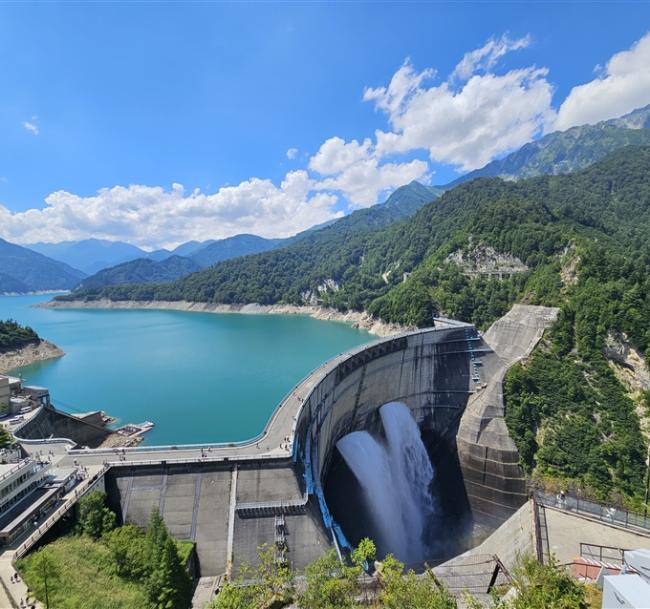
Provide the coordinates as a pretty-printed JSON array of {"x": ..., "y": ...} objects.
[
  {"x": 354, "y": 169},
  {"x": 467, "y": 126},
  {"x": 622, "y": 86},
  {"x": 156, "y": 217},
  {"x": 336, "y": 155},
  {"x": 292, "y": 153},
  {"x": 486, "y": 57},
  {"x": 32, "y": 125}
]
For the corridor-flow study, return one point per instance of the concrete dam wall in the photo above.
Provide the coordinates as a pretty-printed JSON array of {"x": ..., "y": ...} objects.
[
  {"x": 450, "y": 377},
  {"x": 52, "y": 423},
  {"x": 227, "y": 499}
]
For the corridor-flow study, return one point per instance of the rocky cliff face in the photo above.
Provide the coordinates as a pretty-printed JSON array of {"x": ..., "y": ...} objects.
[
  {"x": 36, "y": 352},
  {"x": 632, "y": 371},
  {"x": 485, "y": 260}
]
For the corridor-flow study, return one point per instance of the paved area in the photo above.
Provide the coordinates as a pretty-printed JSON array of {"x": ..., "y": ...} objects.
[
  {"x": 11, "y": 593},
  {"x": 305, "y": 536},
  {"x": 204, "y": 591},
  {"x": 278, "y": 483},
  {"x": 566, "y": 531}
]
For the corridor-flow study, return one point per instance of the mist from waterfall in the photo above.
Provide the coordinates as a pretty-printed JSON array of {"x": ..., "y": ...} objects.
[{"x": 396, "y": 476}]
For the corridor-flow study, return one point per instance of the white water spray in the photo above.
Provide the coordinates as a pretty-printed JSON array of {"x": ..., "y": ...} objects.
[
  {"x": 396, "y": 479},
  {"x": 368, "y": 460}
]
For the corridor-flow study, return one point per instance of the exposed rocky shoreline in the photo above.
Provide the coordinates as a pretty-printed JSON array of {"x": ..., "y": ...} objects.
[
  {"x": 356, "y": 319},
  {"x": 35, "y": 352}
]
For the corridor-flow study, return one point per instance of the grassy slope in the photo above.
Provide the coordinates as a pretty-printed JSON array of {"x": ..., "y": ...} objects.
[{"x": 87, "y": 578}]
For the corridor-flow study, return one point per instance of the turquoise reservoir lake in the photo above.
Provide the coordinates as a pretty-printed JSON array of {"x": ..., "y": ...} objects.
[{"x": 200, "y": 377}]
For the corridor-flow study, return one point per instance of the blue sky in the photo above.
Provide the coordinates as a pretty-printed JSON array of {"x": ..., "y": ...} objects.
[{"x": 106, "y": 109}]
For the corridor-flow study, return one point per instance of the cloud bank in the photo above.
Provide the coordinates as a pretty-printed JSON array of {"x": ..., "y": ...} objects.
[
  {"x": 153, "y": 216},
  {"x": 476, "y": 113},
  {"x": 623, "y": 87}
]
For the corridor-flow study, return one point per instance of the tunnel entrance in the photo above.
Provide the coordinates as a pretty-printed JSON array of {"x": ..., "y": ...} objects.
[{"x": 402, "y": 487}]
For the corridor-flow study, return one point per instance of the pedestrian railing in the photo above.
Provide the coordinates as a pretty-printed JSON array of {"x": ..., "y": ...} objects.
[
  {"x": 53, "y": 518},
  {"x": 599, "y": 511},
  {"x": 603, "y": 554}
]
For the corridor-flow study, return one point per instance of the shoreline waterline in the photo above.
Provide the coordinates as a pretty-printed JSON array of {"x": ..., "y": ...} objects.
[
  {"x": 29, "y": 354},
  {"x": 359, "y": 320},
  {"x": 200, "y": 378}
]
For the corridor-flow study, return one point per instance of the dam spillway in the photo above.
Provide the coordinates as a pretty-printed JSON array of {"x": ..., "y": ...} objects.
[
  {"x": 396, "y": 477},
  {"x": 226, "y": 497}
]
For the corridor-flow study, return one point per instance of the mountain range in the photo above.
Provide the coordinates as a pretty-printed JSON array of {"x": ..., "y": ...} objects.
[
  {"x": 402, "y": 203},
  {"x": 566, "y": 151},
  {"x": 23, "y": 270},
  {"x": 114, "y": 262},
  {"x": 89, "y": 255}
]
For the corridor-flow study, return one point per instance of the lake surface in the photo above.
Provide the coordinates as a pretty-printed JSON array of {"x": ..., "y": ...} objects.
[{"x": 200, "y": 377}]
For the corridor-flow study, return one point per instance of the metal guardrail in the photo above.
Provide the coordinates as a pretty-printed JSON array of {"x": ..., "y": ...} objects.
[
  {"x": 609, "y": 554},
  {"x": 586, "y": 507},
  {"x": 319, "y": 374},
  {"x": 46, "y": 441},
  {"x": 53, "y": 518},
  {"x": 273, "y": 505},
  {"x": 194, "y": 461},
  {"x": 20, "y": 465}
]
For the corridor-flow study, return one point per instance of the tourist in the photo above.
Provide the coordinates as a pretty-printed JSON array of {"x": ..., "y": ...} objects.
[{"x": 611, "y": 513}]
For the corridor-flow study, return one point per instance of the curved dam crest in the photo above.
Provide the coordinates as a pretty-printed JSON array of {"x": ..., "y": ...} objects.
[{"x": 225, "y": 497}]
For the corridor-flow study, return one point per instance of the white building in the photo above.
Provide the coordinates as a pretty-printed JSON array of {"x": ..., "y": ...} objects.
[
  {"x": 17, "y": 480},
  {"x": 632, "y": 589}
]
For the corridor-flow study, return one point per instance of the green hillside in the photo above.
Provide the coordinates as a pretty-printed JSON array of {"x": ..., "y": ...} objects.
[
  {"x": 578, "y": 241},
  {"x": 402, "y": 203},
  {"x": 14, "y": 336},
  {"x": 567, "y": 151},
  {"x": 22, "y": 270},
  {"x": 142, "y": 270}
]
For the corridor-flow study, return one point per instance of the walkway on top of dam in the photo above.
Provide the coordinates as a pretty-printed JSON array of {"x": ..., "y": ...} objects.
[{"x": 276, "y": 440}]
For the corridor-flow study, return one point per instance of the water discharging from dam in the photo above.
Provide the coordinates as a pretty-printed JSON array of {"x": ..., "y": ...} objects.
[{"x": 396, "y": 477}]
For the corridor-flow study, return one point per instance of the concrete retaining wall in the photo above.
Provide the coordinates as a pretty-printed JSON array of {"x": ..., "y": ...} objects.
[
  {"x": 429, "y": 371},
  {"x": 51, "y": 423},
  {"x": 451, "y": 379}
]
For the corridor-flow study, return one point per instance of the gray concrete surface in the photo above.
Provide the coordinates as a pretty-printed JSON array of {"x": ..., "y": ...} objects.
[
  {"x": 306, "y": 539},
  {"x": 194, "y": 501},
  {"x": 488, "y": 456},
  {"x": 433, "y": 371},
  {"x": 567, "y": 530}
]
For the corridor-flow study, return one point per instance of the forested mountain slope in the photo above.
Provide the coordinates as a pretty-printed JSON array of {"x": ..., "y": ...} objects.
[
  {"x": 22, "y": 270},
  {"x": 142, "y": 270},
  {"x": 578, "y": 241},
  {"x": 341, "y": 266},
  {"x": 402, "y": 203},
  {"x": 232, "y": 247},
  {"x": 566, "y": 151}
]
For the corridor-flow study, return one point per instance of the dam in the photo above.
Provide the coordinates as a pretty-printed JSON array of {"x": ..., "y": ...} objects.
[{"x": 289, "y": 487}]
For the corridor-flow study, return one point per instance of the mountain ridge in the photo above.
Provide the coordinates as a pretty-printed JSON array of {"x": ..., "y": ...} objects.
[
  {"x": 562, "y": 152},
  {"x": 404, "y": 201},
  {"x": 30, "y": 271}
]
